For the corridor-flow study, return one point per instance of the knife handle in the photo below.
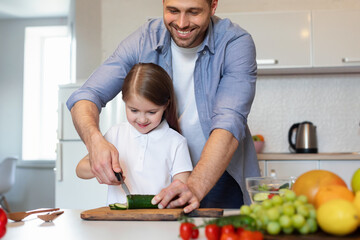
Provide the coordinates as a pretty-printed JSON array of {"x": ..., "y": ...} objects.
[{"x": 118, "y": 176}]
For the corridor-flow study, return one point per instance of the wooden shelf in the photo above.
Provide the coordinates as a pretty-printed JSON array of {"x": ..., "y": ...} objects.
[{"x": 309, "y": 156}]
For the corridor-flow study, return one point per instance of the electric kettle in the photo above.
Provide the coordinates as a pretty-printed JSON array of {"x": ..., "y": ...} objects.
[{"x": 305, "y": 138}]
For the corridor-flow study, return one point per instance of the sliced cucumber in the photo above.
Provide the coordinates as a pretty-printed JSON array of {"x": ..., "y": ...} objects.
[
  {"x": 140, "y": 201},
  {"x": 258, "y": 197},
  {"x": 119, "y": 206}
]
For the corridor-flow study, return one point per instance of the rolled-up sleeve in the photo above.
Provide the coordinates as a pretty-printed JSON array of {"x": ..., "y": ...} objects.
[{"x": 236, "y": 89}]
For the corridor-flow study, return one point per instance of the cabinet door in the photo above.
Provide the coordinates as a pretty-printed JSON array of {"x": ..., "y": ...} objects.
[
  {"x": 345, "y": 169},
  {"x": 282, "y": 39},
  {"x": 70, "y": 191},
  {"x": 290, "y": 168},
  {"x": 336, "y": 38},
  {"x": 262, "y": 168}
]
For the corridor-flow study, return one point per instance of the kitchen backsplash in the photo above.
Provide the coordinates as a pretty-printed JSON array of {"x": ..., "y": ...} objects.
[{"x": 331, "y": 102}]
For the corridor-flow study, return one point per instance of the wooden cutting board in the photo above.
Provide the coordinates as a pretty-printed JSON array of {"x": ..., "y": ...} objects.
[{"x": 106, "y": 214}]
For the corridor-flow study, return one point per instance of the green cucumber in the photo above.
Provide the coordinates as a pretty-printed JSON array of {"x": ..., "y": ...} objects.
[
  {"x": 240, "y": 220},
  {"x": 138, "y": 201}
]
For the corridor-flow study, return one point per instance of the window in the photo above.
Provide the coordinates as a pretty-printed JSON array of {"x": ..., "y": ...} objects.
[{"x": 46, "y": 65}]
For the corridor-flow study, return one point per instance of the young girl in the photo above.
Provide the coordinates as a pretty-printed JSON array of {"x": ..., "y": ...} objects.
[{"x": 152, "y": 153}]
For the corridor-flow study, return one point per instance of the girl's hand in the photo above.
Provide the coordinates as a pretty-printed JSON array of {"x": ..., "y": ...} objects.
[{"x": 177, "y": 194}]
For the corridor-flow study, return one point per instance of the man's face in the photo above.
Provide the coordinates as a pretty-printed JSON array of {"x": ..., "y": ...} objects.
[{"x": 188, "y": 20}]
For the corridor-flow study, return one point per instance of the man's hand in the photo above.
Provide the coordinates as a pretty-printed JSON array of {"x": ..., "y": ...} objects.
[
  {"x": 104, "y": 160},
  {"x": 177, "y": 194},
  {"x": 103, "y": 156}
]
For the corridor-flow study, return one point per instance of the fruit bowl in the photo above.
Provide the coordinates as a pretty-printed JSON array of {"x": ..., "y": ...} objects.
[
  {"x": 259, "y": 145},
  {"x": 262, "y": 188}
]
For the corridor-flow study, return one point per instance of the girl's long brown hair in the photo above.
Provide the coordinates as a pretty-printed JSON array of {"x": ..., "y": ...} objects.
[{"x": 152, "y": 82}]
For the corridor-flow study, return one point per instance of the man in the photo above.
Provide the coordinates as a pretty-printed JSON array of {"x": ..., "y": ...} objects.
[{"x": 212, "y": 63}]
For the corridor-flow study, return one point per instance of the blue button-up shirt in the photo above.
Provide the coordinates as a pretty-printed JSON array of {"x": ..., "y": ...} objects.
[{"x": 224, "y": 77}]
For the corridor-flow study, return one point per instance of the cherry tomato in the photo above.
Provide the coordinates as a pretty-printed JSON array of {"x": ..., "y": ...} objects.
[
  {"x": 3, "y": 218},
  {"x": 245, "y": 235},
  {"x": 186, "y": 230},
  {"x": 227, "y": 229},
  {"x": 239, "y": 230},
  {"x": 229, "y": 236},
  {"x": 195, "y": 233},
  {"x": 2, "y": 231},
  {"x": 256, "y": 235},
  {"x": 212, "y": 232},
  {"x": 270, "y": 196}
]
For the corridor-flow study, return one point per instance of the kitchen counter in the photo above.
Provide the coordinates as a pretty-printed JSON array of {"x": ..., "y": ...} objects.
[
  {"x": 69, "y": 226},
  {"x": 309, "y": 156}
]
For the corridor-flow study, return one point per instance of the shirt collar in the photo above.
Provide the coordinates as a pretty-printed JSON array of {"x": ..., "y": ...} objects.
[
  {"x": 156, "y": 133},
  {"x": 209, "y": 40}
]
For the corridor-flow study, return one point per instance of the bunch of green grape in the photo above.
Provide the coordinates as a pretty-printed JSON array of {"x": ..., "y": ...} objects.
[{"x": 285, "y": 213}]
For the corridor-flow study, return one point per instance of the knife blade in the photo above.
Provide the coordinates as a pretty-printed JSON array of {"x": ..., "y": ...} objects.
[{"x": 123, "y": 184}]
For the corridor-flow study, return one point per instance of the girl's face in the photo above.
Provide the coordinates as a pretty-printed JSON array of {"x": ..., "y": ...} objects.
[{"x": 143, "y": 114}]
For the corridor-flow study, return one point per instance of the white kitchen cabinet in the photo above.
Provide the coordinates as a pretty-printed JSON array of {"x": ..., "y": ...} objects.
[
  {"x": 290, "y": 168},
  {"x": 345, "y": 169},
  {"x": 336, "y": 38},
  {"x": 262, "y": 168},
  {"x": 282, "y": 39}
]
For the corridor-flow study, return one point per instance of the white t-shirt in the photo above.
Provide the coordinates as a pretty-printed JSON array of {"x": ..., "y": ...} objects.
[
  {"x": 149, "y": 161},
  {"x": 183, "y": 65}
]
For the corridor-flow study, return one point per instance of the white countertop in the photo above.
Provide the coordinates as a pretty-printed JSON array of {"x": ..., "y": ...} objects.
[
  {"x": 309, "y": 156},
  {"x": 69, "y": 226}
]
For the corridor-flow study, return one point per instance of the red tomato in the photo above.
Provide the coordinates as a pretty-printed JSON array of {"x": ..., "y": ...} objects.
[
  {"x": 2, "y": 231},
  {"x": 195, "y": 233},
  {"x": 227, "y": 229},
  {"x": 270, "y": 196},
  {"x": 229, "y": 236},
  {"x": 245, "y": 235},
  {"x": 3, "y": 217},
  {"x": 212, "y": 232},
  {"x": 256, "y": 235},
  {"x": 186, "y": 230}
]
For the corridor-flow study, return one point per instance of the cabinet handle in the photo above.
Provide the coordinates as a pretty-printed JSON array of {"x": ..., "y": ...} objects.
[
  {"x": 58, "y": 168},
  {"x": 267, "y": 61},
  {"x": 350, "y": 60}
]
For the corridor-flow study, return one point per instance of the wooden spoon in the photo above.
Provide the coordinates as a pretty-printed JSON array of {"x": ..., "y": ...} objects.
[
  {"x": 18, "y": 216},
  {"x": 50, "y": 216}
]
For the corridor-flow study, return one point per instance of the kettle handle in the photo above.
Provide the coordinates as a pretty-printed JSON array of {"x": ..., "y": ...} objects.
[{"x": 294, "y": 126}]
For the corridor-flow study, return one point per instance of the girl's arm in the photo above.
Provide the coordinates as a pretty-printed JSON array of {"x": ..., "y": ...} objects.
[
  {"x": 183, "y": 176},
  {"x": 83, "y": 169}
]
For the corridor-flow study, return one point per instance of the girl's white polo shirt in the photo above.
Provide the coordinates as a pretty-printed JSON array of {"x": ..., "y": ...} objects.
[{"x": 148, "y": 161}]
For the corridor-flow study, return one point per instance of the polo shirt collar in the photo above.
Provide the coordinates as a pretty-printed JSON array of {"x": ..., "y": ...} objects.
[{"x": 156, "y": 133}]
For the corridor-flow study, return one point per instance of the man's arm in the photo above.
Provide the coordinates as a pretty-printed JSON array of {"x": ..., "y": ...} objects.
[
  {"x": 215, "y": 157},
  {"x": 104, "y": 157}
]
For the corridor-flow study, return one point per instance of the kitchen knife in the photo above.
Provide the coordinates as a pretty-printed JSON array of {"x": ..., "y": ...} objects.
[{"x": 123, "y": 184}]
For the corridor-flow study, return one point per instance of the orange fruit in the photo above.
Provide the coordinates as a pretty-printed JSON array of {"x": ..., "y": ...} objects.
[
  {"x": 309, "y": 183},
  {"x": 327, "y": 193}
]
